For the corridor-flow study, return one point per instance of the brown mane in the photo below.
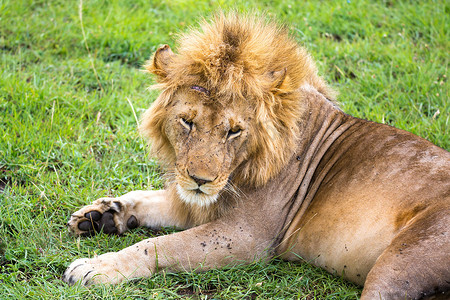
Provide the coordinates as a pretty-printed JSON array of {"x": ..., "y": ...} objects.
[{"x": 229, "y": 57}]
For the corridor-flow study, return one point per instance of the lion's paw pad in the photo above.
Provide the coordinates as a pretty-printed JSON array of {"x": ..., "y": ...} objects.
[
  {"x": 104, "y": 215},
  {"x": 97, "y": 222}
]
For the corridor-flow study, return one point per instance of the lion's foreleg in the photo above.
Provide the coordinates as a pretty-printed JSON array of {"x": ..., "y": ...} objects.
[
  {"x": 117, "y": 215},
  {"x": 212, "y": 245}
]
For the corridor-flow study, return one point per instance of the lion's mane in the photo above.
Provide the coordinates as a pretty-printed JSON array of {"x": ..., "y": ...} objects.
[{"x": 237, "y": 58}]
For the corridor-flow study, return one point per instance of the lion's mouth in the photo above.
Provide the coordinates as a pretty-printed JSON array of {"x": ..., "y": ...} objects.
[
  {"x": 196, "y": 192},
  {"x": 196, "y": 196}
]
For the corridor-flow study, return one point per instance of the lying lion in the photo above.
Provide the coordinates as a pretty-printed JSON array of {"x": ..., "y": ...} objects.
[{"x": 261, "y": 162}]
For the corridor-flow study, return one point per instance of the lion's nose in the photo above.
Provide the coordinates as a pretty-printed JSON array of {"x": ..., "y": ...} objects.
[{"x": 200, "y": 181}]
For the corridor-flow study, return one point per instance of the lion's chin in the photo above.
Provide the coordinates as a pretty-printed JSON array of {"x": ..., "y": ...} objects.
[{"x": 197, "y": 198}]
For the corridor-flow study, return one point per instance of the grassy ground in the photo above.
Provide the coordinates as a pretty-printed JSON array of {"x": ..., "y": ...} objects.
[{"x": 68, "y": 132}]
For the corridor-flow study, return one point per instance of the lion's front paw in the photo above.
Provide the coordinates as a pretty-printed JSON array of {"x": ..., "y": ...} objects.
[
  {"x": 105, "y": 214},
  {"x": 80, "y": 270},
  {"x": 88, "y": 271}
]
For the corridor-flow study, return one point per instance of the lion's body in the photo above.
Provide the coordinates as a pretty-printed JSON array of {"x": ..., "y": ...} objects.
[
  {"x": 372, "y": 185},
  {"x": 261, "y": 161}
]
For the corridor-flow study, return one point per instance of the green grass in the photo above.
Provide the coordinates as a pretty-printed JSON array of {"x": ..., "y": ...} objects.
[{"x": 67, "y": 138}]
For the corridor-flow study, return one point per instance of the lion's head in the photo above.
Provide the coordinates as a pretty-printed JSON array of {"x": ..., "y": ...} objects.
[{"x": 229, "y": 110}]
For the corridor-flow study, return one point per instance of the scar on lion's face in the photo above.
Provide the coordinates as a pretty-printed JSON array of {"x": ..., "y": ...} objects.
[{"x": 200, "y": 89}]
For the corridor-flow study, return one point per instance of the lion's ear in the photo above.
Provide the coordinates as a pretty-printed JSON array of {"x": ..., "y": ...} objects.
[
  {"x": 279, "y": 81},
  {"x": 159, "y": 63}
]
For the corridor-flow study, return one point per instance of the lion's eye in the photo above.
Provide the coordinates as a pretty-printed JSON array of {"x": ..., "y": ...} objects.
[
  {"x": 186, "y": 124},
  {"x": 235, "y": 132}
]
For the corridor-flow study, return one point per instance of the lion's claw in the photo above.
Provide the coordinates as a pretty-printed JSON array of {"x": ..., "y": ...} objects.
[
  {"x": 81, "y": 270},
  {"x": 107, "y": 268},
  {"x": 72, "y": 275}
]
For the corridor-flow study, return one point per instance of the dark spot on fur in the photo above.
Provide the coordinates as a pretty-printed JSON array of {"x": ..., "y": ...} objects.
[
  {"x": 145, "y": 252},
  {"x": 203, "y": 244},
  {"x": 232, "y": 37},
  {"x": 299, "y": 157},
  {"x": 359, "y": 275}
]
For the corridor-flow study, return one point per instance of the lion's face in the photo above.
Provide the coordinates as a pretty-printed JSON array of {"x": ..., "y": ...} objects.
[
  {"x": 229, "y": 111},
  {"x": 209, "y": 141}
]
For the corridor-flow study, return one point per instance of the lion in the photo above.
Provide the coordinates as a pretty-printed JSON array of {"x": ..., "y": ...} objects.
[{"x": 262, "y": 162}]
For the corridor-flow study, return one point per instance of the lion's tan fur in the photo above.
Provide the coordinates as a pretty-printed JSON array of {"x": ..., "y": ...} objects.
[
  {"x": 229, "y": 57},
  {"x": 243, "y": 111}
]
